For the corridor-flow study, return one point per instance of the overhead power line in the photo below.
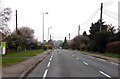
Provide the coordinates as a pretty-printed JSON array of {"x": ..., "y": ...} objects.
[
  {"x": 91, "y": 17},
  {"x": 110, "y": 12},
  {"x": 112, "y": 17}
]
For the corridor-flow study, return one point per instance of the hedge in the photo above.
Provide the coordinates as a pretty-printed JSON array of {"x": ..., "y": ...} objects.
[{"x": 113, "y": 47}]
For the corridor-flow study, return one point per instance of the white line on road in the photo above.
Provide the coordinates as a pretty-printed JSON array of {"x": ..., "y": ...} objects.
[
  {"x": 51, "y": 56},
  {"x": 105, "y": 74},
  {"x": 50, "y": 59},
  {"x": 101, "y": 59},
  {"x": 77, "y": 58},
  {"x": 45, "y": 73},
  {"x": 91, "y": 56},
  {"x": 85, "y": 63},
  {"x": 114, "y": 63},
  {"x": 48, "y": 64},
  {"x": 72, "y": 55}
]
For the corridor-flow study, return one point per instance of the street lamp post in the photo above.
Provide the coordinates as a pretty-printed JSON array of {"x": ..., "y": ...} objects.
[
  {"x": 43, "y": 26},
  {"x": 49, "y": 31}
]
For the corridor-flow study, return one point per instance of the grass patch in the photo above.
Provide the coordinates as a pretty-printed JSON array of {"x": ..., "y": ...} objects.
[
  {"x": 11, "y": 58},
  {"x": 0, "y": 61},
  {"x": 11, "y": 61},
  {"x": 114, "y": 55},
  {"x": 27, "y": 53},
  {"x": 108, "y": 54}
]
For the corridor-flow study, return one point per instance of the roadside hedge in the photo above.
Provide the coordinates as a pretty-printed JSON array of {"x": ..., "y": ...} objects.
[{"x": 113, "y": 47}]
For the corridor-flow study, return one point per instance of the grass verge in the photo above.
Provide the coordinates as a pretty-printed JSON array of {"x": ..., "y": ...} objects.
[
  {"x": 11, "y": 61},
  {"x": 27, "y": 53},
  {"x": 11, "y": 58}
]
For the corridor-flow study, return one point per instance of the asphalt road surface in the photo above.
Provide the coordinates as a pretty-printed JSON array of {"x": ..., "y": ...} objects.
[{"x": 74, "y": 64}]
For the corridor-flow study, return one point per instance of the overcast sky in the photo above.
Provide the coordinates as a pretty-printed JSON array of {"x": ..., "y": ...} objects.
[{"x": 63, "y": 16}]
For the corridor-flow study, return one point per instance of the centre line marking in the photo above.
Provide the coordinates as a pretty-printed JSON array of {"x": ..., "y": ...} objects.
[
  {"x": 51, "y": 56},
  {"x": 77, "y": 58},
  {"x": 72, "y": 55},
  {"x": 50, "y": 59},
  {"x": 45, "y": 74},
  {"x": 105, "y": 74},
  {"x": 85, "y": 63},
  {"x": 48, "y": 64}
]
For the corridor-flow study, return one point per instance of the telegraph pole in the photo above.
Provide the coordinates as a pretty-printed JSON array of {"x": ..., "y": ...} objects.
[
  {"x": 78, "y": 30},
  {"x": 50, "y": 37},
  {"x": 101, "y": 9},
  {"x": 69, "y": 36},
  {"x": 16, "y": 23}
]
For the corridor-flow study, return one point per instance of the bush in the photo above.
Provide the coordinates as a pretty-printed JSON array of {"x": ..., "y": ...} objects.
[{"x": 113, "y": 47}]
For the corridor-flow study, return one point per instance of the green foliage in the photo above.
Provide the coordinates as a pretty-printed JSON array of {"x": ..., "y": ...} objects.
[
  {"x": 14, "y": 42},
  {"x": 113, "y": 47},
  {"x": 95, "y": 27},
  {"x": 100, "y": 41}
]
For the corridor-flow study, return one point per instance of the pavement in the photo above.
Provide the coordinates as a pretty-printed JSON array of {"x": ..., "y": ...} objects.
[
  {"x": 33, "y": 68},
  {"x": 22, "y": 69}
]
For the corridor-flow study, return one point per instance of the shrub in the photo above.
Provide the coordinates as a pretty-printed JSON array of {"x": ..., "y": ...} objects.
[{"x": 113, "y": 47}]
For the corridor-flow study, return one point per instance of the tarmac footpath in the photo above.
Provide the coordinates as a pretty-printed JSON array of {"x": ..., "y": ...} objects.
[{"x": 22, "y": 69}]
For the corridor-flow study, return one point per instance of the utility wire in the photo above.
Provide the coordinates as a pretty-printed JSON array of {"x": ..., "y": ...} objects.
[
  {"x": 115, "y": 18},
  {"x": 91, "y": 17},
  {"x": 110, "y": 12}
]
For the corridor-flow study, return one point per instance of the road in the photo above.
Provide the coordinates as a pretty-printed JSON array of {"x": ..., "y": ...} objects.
[{"x": 74, "y": 64}]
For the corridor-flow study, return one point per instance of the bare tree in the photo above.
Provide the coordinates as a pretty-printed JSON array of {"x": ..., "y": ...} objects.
[
  {"x": 5, "y": 16},
  {"x": 27, "y": 35},
  {"x": 26, "y": 32}
]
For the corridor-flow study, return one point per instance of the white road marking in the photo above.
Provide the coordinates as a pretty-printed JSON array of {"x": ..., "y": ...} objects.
[
  {"x": 45, "y": 74},
  {"x": 105, "y": 74},
  {"x": 50, "y": 59},
  {"x": 59, "y": 52},
  {"x": 85, "y": 63},
  {"x": 114, "y": 63},
  {"x": 91, "y": 56},
  {"x": 48, "y": 64},
  {"x": 101, "y": 59},
  {"x": 72, "y": 55},
  {"x": 51, "y": 56},
  {"x": 77, "y": 58}
]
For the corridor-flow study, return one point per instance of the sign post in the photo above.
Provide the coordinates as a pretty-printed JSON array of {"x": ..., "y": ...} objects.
[{"x": 3, "y": 45}]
